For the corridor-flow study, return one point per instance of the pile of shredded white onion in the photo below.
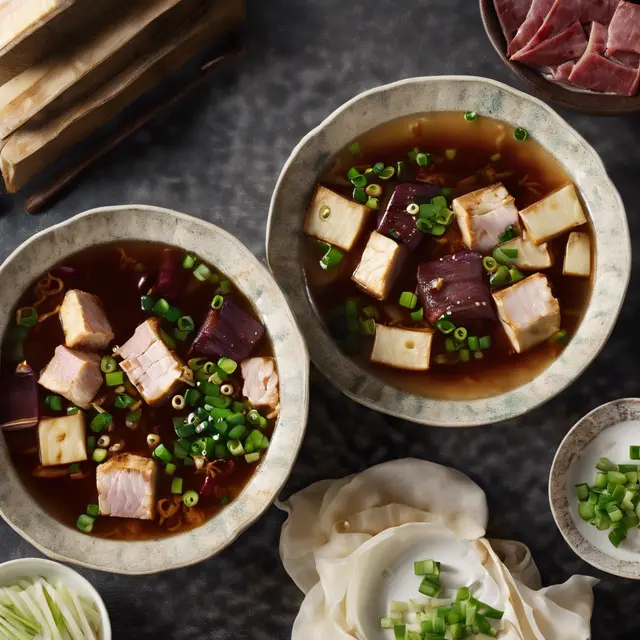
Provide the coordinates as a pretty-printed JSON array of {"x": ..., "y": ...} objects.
[{"x": 37, "y": 609}]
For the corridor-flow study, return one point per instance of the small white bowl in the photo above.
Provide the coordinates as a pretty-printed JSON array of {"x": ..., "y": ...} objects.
[
  {"x": 574, "y": 463},
  {"x": 32, "y": 567}
]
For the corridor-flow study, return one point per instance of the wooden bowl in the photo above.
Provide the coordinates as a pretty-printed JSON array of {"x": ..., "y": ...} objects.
[{"x": 597, "y": 104}]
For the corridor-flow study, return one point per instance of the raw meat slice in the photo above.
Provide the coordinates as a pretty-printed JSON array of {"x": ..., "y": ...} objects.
[
  {"x": 535, "y": 17},
  {"x": 597, "y": 73},
  {"x": 455, "y": 285},
  {"x": 561, "y": 72},
  {"x": 171, "y": 280},
  {"x": 74, "y": 375},
  {"x": 598, "y": 38},
  {"x": 564, "y": 13},
  {"x": 127, "y": 487},
  {"x": 627, "y": 58},
  {"x": 624, "y": 31},
  {"x": 512, "y": 14},
  {"x": 570, "y": 44}
]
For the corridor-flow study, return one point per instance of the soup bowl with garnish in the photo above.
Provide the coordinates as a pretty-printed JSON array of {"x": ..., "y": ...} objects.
[
  {"x": 454, "y": 251},
  {"x": 155, "y": 389},
  {"x": 594, "y": 491}
]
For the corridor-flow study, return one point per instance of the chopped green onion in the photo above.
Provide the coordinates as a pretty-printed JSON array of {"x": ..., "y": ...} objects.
[
  {"x": 460, "y": 334},
  {"x": 71, "y": 411},
  {"x": 446, "y": 192},
  {"x": 186, "y": 324},
  {"x": 489, "y": 264},
  {"x": 133, "y": 418},
  {"x": 173, "y": 314},
  {"x": 500, "y": 277},
  {"x": 359, "y": 181},
  {"x": 170, "y": 469},
  {"x": 162, "y": 453},
  {"x": 147, "y": 303},
  {"x": 515, "y": 275},
  {"x": 191, "y": 498},
  {"x": 450, "y": 345},
  {"x": 235, "y": 448},
  {"x": 427, "y": 588},
  {"x": 413, "y": 208},
  {"x": 438, "y": 229},
  {"x": 352, "y": 173},
  {"x": 373, "y": 203},
  {"x": 225, "y": 286},
  {"x": 478, "y": 355},
  {"x": 423, "y": 159},
  {"x": 93, "y": 510},
  {"x": 99, "y": 455},
  {"x": 217, "y": 302},
  {"x": 510, "y": 233},
  {"x": 371, "y": 312},
  {"x": 176, "y": 486},
  {"x": 424, "y": 225},
  {"x": 196, "y": 363},
  {"x": 374, "y": 190},
  {"x": 54, "y": 403},
  {"x": 252, "y": 457},
  {"x": 445, "y": 326},
  {"x": 367, "y": 327},
  {"x": 504, "y": 256},
  {"x": 85, "y": 523},
  {"x": 408, "y": 299},
  {"x": 520, "y": 134},
  {"x": 161, "y": 307},
  {"x": 470, "y": 116},
  {"x": 444, "y": 217},
  {"x": 634, "y": 452},
  {"x": 465, "y": 355},
  {"x": 360, "y": 195},
  {"x": 114, "y": 379},
  {"x": 202, "y": 272},
  {"x": 167, "y": 339},
  {"x": 485, "y": 342},
  {"x": 582, "y": 491},
  {"x": 426, "y": 567},
  {"x": 74, "y": 468},
  {"x": 193, "y": 397},
  {"x": 354, "y": 148},
  {"x": 189, "y": 261},
  {"x": 418, "y": 315},
  {"x": 474, "y": 343},
  {"x": 228, "y": 365},
  {"x": 413, "y": 153},
  {"x": 401, "y": 169},
  {"x": 26, "y": 317},
  {"x": 386, "y": 173},
  {"x": 123, "y": 401},
  {"x": 561, "y": 337},
  {"x": 100, "y": 421},
  {"x": 108, "y": 364}
]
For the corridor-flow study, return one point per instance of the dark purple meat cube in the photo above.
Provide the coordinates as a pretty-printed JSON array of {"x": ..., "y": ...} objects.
[
  {"x": 457, "y": 286},
  {"x": 171, "y": 280},
  {"x": 229, "y": 331},
  {"x": 396, "y": 222}
]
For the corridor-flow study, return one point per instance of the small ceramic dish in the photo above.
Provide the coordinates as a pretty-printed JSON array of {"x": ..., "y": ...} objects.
[
  {"x": 15, "y": 570},
  {"x": 286, "y": 241},
  {"x": 607, "y": 431},
  {"x": 231, "y": 257},
  {"x": 560, "y": 95}
]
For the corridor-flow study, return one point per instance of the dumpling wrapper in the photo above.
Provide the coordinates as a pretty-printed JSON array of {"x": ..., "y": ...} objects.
[{"x": 339, "y": 531}]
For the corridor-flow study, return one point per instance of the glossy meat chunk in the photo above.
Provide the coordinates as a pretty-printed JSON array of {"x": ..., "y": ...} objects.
[
  {"x": 396, "y": 222},
  {"x": 569, "y": 44},
  {"x": 84, "y": 321},
  {"x": 512, "y": 14},
  {"x": 73, "y": 374},
  {"x": 171, "y": 279},
  {"x": 624, "y": 31},
  {"x": 455, "y": 285},
  {"x": 229, "y": 331},
  {"x": 127, "y": 487},
  {"x": 152, "y": 367},
  {"x": 261, "y": 382},
  {"x": 535, "y": 17}
]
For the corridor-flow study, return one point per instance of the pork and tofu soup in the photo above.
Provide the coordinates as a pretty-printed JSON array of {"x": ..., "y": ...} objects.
[
  {"x": 140, "y": 391},
  {"x": 450, "y": 254}
]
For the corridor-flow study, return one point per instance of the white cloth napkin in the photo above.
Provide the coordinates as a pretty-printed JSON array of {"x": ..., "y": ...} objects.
[{"x": 338, "y": 530}]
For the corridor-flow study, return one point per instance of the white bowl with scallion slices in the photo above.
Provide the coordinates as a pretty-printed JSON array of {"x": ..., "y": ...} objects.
[
  {"x": 41, "y": 600},
  {"x": 594, "y": 488}
]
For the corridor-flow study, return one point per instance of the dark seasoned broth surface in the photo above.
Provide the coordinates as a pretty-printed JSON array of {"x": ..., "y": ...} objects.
[
  {"x": 527, "y": 171},
  {"x": 113, "y": 272}
]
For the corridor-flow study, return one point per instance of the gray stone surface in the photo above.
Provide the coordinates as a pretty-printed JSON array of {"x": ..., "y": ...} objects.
[{"x": 218, "y": 157}]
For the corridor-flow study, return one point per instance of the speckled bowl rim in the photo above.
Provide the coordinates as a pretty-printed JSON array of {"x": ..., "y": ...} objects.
[
  {"x": 422, "y": 95},
  {"x": 142, "y": 222},
  {"x": 571, "y": 447}
]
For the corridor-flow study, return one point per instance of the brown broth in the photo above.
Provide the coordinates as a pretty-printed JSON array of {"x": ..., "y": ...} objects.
[
  {"x": 527, "y": 171},
  {"x": 100, "y": 271}
]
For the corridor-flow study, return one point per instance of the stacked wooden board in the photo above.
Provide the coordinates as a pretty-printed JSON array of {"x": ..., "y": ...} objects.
[{"x": 69, "y": 66}]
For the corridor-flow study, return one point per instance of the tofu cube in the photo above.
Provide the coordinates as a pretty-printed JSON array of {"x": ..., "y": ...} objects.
[
  {"x": 62, "y": 440},
  {"x": 577, "y": 255},
  {"x": 552, "y": 216},
  {"x": 402, "y": 348},
  {"x": 84, "y": 321},
  {"x": 335, "y": 219},
  {"x": 528, "y": 312},
  {"x": 483, "y": 216},
  {"x": 380, "y": 265},
  {"x": 531, "y": 257}
]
